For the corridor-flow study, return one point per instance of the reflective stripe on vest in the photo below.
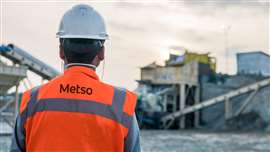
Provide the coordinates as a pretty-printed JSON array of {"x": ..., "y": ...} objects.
[
  {"x": 29, "y": 108},
  {"x": 113, "y": 112}
]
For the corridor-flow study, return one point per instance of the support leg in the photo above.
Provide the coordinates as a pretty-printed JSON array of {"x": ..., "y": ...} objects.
[
  {"x": 197, "y": 113},
  {"x": 228, "y": 109},
  {"x": 182, "y": 104}
]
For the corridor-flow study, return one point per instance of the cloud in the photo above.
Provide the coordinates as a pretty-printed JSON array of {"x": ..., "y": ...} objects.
[{"x": 144, "y": 32}]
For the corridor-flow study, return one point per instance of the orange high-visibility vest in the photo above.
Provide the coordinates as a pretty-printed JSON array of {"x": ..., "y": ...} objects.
[{"x": 77, "y": 112}]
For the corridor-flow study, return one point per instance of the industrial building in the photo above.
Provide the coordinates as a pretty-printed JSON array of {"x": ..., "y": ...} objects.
[
  {"x": 256, "y": 63},
  {"x": 177, "y": 84},
  {"x": 188, "y": 93}
]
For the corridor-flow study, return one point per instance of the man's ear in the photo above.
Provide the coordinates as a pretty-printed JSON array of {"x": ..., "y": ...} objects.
[
  {"x": 61, "y": 53},
  {"x": 101, "y": 54}
]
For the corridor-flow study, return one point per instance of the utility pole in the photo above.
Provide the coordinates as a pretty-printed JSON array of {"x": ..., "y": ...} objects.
[{"x": 226, "y": 44}]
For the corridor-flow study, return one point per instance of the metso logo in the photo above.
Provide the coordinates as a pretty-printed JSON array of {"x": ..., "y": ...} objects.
[{"x": 75, "y": 89}]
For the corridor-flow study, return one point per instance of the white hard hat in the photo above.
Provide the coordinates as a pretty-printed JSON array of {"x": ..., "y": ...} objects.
[{"x": 82, "y": 21}]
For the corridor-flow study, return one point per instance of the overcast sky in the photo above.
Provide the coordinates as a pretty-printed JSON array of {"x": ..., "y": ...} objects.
[{"x": 143, "y": 32}]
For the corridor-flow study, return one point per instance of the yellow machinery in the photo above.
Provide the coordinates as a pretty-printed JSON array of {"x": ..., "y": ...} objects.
[{"x": 201, "y": 58}]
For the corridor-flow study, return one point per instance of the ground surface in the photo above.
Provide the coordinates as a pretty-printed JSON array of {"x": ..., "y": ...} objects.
[
  {"x": 190, "y": 141},
  {"x": 193, "y": 141}
]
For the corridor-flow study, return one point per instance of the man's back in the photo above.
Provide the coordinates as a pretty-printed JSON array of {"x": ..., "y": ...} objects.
[{"x": 77, "y": 112}]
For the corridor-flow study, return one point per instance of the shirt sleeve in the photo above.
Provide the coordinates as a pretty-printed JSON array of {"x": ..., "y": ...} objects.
[
  {"x": 132, "y": 141},
  {"x": 18, "y": 137}
]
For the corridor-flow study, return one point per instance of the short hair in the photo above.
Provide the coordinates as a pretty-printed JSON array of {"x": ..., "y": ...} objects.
[{"x": 79, "y": 50}]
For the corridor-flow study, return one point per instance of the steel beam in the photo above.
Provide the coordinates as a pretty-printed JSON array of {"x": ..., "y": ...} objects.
[{"x": 247, "y": 101}]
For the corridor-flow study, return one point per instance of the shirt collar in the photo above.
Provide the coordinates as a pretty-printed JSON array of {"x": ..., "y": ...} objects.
[{"x": 83, "y": 69}]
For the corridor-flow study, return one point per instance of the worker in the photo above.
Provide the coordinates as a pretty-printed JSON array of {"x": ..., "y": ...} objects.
[{"x": 76, "y": 111}]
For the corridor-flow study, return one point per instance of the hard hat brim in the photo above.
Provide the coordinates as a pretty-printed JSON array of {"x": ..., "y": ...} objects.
[{"x": 96, "y": 37}]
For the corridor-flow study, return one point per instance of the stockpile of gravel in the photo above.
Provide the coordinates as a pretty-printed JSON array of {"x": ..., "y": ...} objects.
[
  {"x": 261, "y": 105},
  {"x": 256, "y": 116}
]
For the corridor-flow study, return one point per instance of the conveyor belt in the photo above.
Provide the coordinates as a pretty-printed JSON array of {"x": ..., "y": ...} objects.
[
  {"x": 19, "y": 56},
  {"x": 213, "y": 101}
]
